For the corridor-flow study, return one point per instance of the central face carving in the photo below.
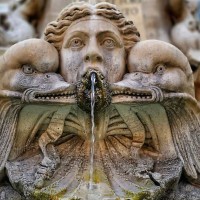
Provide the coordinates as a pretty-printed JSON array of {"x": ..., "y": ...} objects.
[{"x": 93, "y": 43}]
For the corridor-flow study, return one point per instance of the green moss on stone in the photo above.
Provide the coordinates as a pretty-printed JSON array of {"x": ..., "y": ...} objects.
[
  {"x": 43, "y": 196},
  {"x": 138, "y": 196},
  {"x": 98, "y": 176},
  {"x": 52, "y": 195}
]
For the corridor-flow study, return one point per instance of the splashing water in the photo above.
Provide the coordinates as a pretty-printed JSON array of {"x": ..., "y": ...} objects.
[{"x": 93, "y": 79}]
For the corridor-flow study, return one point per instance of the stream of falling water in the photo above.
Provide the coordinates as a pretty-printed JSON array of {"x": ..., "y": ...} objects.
[{"x": 92, "y": 140}]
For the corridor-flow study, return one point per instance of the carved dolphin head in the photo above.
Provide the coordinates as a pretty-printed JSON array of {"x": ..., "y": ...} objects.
[
  {"x": 28, "y": 71},
  {"x": 156, "y": 66}
]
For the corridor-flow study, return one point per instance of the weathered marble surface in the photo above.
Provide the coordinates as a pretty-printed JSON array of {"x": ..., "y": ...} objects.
[{"x": 146, "y": 117}]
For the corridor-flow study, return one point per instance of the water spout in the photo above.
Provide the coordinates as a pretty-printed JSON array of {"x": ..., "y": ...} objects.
[
  {"x": 102, "y": 91},
  {"x": 92, "y": 140}
]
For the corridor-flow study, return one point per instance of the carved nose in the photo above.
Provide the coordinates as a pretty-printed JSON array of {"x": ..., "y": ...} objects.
[
  {"x": 93, "y": 58},
  {"x": 51, "y": 77},
  {"x": 137, "y": 76},
  {"x": 142, "y": 78},
  {"x": 93, "y": 53},
  {"x": 93, "y": 61}
]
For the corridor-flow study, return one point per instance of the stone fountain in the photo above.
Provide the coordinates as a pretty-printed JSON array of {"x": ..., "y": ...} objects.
[{"x": 91, "y": 112}]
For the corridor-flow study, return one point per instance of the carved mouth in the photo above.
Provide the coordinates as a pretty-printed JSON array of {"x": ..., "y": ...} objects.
[
  {"x": 124, "y": 94},
  {"x": 133, "y": 95},
  {"x": 60, "y": 95},
  {"x": 102, "y": 91}
]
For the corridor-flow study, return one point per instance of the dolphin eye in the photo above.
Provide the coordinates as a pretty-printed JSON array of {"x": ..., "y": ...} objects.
[
  {"x": 27, "y": 69},
  {"x": 160, "y": 69}
]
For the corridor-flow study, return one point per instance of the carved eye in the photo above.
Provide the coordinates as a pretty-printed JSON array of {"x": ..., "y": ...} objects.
[
  {"x": 160, "y": 69},
  {"x": 28, "y": 69},
  {"x": 108, "y": 43},
  {"x": 76, "y": 43}
]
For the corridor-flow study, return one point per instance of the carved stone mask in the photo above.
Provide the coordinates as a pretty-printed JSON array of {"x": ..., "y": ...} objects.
[{"x": 92, "y": 43}]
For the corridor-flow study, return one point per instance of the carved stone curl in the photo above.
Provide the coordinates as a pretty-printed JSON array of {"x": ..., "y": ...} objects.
[{"x": 146, "y": 135}]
